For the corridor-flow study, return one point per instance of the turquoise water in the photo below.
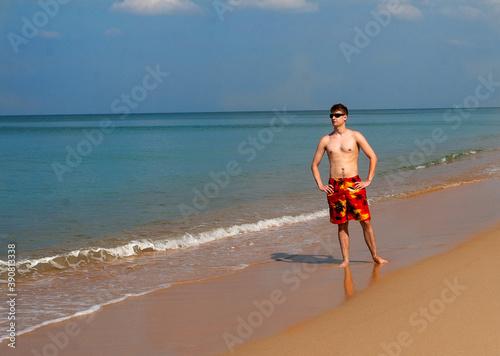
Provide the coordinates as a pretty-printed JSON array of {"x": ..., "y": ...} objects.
[
  {"x": 148, "y": 165},
  {"x": 80, "y": 192}
]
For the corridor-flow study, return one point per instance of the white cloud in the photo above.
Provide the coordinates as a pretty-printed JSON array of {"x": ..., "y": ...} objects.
[
  {"x": 113, "y": 32},
  {"x": 463, "y": 13},
  {"x": 471, "y": 12},
  {"x": 155, "y": 7},
  {"x": 409, "y": 12},
  {"x": 51, "y": 35},
  {"x": 403, "y": 10},
  {"x": 277, "y": 5}
]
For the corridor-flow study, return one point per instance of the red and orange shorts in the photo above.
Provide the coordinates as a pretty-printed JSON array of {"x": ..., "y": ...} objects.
[{"x": 347, "y": 203}]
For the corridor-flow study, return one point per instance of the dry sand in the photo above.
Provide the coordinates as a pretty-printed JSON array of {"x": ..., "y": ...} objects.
[{"x": 446, "y": 305}]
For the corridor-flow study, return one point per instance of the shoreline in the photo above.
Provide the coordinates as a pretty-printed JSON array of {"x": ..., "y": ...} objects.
[
  {"x": 144, "y": 265},
  {"x": 211, "y": 302}
]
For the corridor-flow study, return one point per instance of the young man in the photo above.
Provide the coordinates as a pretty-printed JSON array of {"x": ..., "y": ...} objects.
[{"x": 346, "y": 192}]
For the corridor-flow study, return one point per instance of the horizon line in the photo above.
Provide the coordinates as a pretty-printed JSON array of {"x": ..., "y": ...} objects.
[{"x": 245, "y": 111}]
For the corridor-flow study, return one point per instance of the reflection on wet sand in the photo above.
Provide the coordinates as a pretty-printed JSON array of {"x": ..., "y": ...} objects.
[{"x": 349, "y": 288}]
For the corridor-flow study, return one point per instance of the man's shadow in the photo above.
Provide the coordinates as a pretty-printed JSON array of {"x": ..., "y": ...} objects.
[
  {"x": 311, "y": 259},
  {"x": 349, "y": 288}
]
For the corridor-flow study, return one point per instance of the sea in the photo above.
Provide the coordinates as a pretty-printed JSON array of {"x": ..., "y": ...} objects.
[{"x": 98, "y": 208}]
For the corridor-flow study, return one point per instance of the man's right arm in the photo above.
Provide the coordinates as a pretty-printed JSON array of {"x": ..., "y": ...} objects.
[{"x": 315, "y": 163}]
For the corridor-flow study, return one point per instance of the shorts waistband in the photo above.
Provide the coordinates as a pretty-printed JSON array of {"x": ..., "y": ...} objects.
[{"x": 350, "y": 179}]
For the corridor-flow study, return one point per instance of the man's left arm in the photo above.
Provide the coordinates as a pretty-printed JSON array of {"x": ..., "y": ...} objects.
[{"x": 366, "y": 148}]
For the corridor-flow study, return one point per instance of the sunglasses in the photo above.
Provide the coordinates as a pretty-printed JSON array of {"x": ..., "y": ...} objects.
[{"x": 336, "y": 115}]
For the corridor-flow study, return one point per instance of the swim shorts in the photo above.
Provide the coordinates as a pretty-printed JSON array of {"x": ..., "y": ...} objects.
[{"x": 347, "y": 203}]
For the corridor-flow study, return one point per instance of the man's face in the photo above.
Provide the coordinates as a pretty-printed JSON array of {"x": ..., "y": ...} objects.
[{"x": 338, "y": 117}]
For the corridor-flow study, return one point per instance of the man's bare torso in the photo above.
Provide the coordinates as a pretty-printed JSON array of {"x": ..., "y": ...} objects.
[{"x": 343, "y": 152}]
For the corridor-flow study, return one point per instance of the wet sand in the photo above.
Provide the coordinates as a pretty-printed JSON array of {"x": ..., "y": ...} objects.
[
  {"x": 446, "y": 305},
  {"x": 275, "y": 301}
]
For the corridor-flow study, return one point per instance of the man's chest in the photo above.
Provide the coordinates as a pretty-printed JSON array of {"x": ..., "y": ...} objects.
[{"x": 345, "y": 145}]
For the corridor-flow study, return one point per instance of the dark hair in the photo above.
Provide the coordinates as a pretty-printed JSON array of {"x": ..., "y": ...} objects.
[{"x": 340, "y": 107}]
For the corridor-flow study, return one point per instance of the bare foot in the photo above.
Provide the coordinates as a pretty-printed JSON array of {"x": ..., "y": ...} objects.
[
  {"x": 379, "y": 260},
  {"x": 345, "y": 264}
]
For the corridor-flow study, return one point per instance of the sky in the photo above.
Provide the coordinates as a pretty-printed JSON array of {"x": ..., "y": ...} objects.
[{"x": 160, "y": 56}]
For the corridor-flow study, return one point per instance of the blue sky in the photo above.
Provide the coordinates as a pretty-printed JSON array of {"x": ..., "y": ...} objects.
[{"x": 247, "y": 55}]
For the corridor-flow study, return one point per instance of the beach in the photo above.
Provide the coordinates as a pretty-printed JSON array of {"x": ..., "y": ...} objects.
[
  {"x": 445, "y": 305},
  {"x": 304, "y": 304},
  {"x": 97, "y": 216},
  {"x": 165, "y": 170}
]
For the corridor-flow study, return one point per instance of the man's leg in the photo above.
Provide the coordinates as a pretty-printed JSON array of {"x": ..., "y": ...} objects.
[
  {"x": 344, "y": 242},
  {"x": 370, "y": 240}
]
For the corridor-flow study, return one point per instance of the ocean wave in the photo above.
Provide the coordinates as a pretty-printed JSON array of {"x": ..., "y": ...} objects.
[
  {"x": 449, "y": 158},
  {"x": 77, "y": 258}
]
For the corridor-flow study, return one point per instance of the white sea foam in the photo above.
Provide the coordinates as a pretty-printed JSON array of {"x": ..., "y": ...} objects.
[
  {"x": 102, "y": 254},
  {"x": 88, "y": 311},
  {"x": 492, "y": 169}
]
